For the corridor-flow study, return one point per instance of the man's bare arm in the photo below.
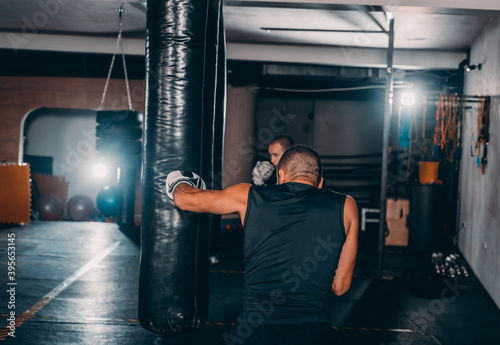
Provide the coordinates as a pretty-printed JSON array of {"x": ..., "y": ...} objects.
[
  {"x": 347, "y": 261},
  {"x": 232, "y": 199}
]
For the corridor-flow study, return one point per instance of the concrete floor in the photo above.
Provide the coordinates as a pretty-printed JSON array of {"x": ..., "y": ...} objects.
[{"x": 77, "y": 284}]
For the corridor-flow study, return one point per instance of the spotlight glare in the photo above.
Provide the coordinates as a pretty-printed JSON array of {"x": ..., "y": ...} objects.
[
  {"x": 100, "y": 170},
  {"x": 408, "y": 98}
]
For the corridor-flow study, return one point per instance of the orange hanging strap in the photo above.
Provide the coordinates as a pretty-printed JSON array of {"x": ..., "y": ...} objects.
[
  {"x": 424, "y": 148},
  {"x": 438, "y": 112},
  {"x": 445, "y": 116},
  {"x": 452, "y": 130}
]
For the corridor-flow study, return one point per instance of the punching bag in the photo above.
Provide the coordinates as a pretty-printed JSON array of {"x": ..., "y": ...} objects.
[{"x": 173, "y": 282}]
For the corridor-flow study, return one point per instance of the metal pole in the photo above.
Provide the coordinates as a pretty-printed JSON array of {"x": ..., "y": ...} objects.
[{"x": 389, "y": 98}]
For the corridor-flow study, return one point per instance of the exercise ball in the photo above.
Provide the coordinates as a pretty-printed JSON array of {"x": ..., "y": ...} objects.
[
  {"x": 49, "y": 207},
  {"x": 107, "y": 201},
  {"x": 80, "y": 207}
]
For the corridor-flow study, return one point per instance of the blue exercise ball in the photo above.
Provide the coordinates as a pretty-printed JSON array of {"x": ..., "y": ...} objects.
[
  {"x": 80, "y": 207},
  {"x": 107, "y": 201},
  {"x": 49, "y": 207}
]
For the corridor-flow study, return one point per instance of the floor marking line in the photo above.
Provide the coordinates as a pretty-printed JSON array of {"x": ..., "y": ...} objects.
[
  {"x": 347, "y": 328},
  {"x": 58, "y": 289},
  {"x": 226, "y": 271},
  {"x": 397, "y": 330}
]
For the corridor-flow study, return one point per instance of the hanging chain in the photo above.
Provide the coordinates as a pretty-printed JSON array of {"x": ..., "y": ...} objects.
[
  {"x": 119, "y": 43},
  {"x": 124, "y": 64}
]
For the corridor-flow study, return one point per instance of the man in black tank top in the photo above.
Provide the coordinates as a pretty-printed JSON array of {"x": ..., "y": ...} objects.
[{"x": 300, "y": 243}]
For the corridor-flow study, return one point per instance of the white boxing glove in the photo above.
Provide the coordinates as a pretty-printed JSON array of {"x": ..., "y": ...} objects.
[
  {"x": 262, "y": 172},
  {"x": 177, "y": 177}
]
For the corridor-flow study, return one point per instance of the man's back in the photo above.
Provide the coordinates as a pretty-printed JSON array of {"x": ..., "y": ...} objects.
[
  {"x": 297, "y": 237},
  {"x": 293, "y": 238}
]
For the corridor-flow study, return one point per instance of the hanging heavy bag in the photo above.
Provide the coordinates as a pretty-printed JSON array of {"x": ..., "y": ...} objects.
[{"x": 173, "y": 283}]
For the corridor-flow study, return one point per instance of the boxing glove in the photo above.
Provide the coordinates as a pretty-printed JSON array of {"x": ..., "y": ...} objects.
[
  {"x": 177, "y": 177},
  {"x": 262, "y": 172}
]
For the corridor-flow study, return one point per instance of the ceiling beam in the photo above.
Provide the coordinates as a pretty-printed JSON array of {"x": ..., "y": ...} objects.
[
  {"x": 325, "y": 30},
  {"x": 69, "y": 43},
  {"x": 485, "y": 5},
  {"x": 345, "y": 56},
  {"x": 322, "y": 55}
]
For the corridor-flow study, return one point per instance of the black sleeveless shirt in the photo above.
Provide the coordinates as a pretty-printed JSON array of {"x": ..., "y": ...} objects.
[{"x": 293, "y": 237}]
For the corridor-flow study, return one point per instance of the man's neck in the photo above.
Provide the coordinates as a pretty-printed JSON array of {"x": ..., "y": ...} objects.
[{"x": 302, "y": 180}]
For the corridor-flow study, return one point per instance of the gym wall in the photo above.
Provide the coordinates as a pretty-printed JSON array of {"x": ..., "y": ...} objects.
[
  {"x": 332, "y": 127},
  {"x": 479, "y": 225},
  {"x": 19, "y": 95}
]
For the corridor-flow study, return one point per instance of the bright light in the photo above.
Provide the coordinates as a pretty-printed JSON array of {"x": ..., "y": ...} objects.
[
  {"x": 100, "y": 170},
  {"x": 408, "y": 98}
]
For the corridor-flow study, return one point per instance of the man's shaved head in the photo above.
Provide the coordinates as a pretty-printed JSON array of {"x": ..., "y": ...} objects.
[{"x": 303, "y": 162}]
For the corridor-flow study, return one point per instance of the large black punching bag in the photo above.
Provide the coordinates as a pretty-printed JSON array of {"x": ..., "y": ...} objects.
[{"x": 173, "y": 283}]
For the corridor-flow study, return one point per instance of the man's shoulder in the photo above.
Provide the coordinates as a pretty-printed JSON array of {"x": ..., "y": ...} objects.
[
  {"x": 239, "y": 189},
  {"x": 331, "y": 192}
]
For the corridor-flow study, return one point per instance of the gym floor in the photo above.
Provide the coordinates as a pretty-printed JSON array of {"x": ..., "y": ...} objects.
[{"x": 77, "y": 283}]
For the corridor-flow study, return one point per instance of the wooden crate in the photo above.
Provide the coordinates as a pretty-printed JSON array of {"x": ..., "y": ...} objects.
[
  {"x": 15, "y": 193},
  {"x": 397, "y": 222}
]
